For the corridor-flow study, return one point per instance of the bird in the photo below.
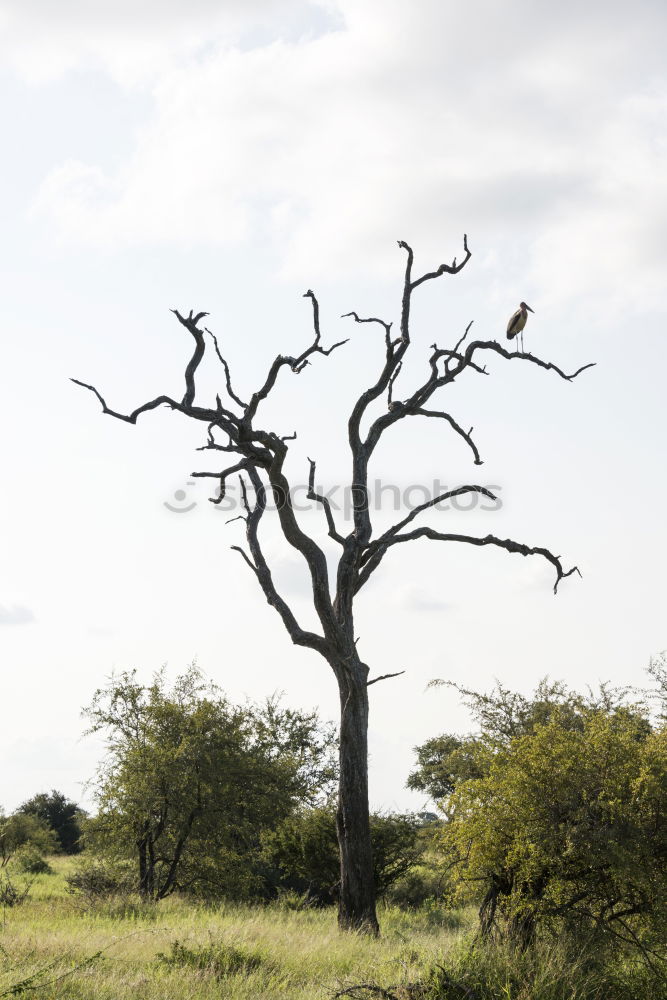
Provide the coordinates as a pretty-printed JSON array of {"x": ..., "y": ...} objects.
[{"x": 517, "y": 323}]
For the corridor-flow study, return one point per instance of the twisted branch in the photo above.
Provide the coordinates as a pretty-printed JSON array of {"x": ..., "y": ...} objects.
[
  {"x": 259, "y": 566},
  {"x": 190, "y": 323},
  {"x": 312, "y": 495},
  {"x": 420, "y": 412},
  {"x": 438, "y": 536},
  {"x": 228, "y": 379}
]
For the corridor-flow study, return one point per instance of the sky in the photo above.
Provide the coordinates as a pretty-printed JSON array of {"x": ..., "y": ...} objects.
[{"x": 227, "y": 156}]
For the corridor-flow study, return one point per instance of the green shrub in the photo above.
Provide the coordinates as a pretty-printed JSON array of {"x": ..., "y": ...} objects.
[
  {"x": 556, "y": 970},
  {"x": 95, "y": 880},
  {"x": 420, "y": 887},
  {"x": 18, "y": 830},
  {"x": 29, "y": 860},
  {"x": 218, "y": 959},
  {"x": 301, "y": 853},
  {"x": 11, "y": 893},
  {"x": 555, "y": 812}
]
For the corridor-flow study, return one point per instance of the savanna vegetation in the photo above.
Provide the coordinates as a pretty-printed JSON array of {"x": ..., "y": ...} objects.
[{"x": 209, "y": 866}]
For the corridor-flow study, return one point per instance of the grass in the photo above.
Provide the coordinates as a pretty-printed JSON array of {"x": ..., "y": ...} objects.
[
  {"x": 61, "y": 948},
  {"x": 178, "y": 950}
]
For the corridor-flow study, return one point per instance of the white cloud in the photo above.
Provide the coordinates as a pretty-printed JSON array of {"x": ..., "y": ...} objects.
[
  {"x": 542, "y": 136},
  {"x": 17, "y": 614},
  {"x": 134, "y": 42}
]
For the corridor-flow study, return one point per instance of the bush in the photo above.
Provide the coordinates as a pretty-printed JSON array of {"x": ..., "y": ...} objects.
[
  {"x": 29, "y": 860},
  {"x": 18, "y": 830},
  {"x": 419, "y": 887},
  {"x": 96, "y": 880},
  {"x": 219, "y": 959},
  {"x": 301, "y": 854},
  {"x": 11, "y": 893},
  {"x": 498, "y": 970},
  {"x": 555, "y": 811}
]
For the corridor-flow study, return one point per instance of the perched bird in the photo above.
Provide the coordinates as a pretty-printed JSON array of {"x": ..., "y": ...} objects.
[{"x": 517, "y": 322}]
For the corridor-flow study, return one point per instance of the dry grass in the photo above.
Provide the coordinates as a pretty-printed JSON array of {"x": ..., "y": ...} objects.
[{"x": 283, "y": 953}]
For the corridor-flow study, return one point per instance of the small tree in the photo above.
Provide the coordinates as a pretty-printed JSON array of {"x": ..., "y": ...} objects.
[
  {"x": 61, "y": 814},
  {"x": 556, "y": 809},
  {"x": 19, "y": 831},
  {"x": 259, "y": 457},
  {"x": 189, "y": 780}
]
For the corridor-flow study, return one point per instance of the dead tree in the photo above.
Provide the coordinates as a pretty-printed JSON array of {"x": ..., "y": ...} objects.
[{"x": 234, "y": 428}]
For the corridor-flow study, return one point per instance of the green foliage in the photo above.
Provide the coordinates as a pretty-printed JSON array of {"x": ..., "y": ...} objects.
[
  {"x": 189, "y": 781},
  {"x": 561, "y": 818},
  {"x": 424, "y": 886},
  {"x": 302, "y": 956},
  {"x": 95, "y": 879},
  {"x": 20, "y": 830},
  {"x": 442, "y": 762},
  {"x": 553, "y": 970},
  {"x": 301, "y": 853},
  {"x": 60, "y": 814},
  {"x": 219, "y": 959},
  {"x": 29, "y": 861}
]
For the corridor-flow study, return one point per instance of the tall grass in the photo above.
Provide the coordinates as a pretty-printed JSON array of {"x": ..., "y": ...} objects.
[
  {"x": 177, "y": 950},
  {"x": 61, "y": 947}
]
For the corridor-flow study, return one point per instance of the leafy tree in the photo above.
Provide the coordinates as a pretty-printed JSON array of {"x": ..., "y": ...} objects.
[
  {"x": 301, "y": 853},
  {"x": 557, "y": 809},
  {"x": 18, "y": 831},
  {"x": 61, "y": 814},
  {"x": 189, "y": 780}
]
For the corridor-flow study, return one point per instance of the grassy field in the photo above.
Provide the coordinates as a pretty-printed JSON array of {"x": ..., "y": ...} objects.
[
  {"x": 56, "y": 946},
  {"x": 226, "y": 951}
]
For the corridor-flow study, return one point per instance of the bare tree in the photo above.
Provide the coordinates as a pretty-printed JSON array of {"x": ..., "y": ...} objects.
[{"x": 259, "y": 459}]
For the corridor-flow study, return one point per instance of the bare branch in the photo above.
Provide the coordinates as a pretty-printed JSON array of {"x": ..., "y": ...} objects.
[
  {"x": 459, "y": 491},
  {"x": 237, "y": 548},
  {"x": 190, "y": 323},
  {"x": 435, "y": 381},
  {"x": 222, "y": 476},
  {"x": 372, "y": 319},
  {"x": 492, "y": 345},
  {"x": 438, "y": 536},
  {"x": 131, "y": 418},
  {"x": 452, "y": 268},
  {"x": 465, "y": 334},
  {"x": 296, "y": 364},
  {"x": 394, "y": 376},
  {"x": 453, "y": 424},
  {"x": 299, "y": 636},
  {"x": 312, "y": 495},
  {"x": 384, "y": 677},
  {"x": 224, "y": 364}
]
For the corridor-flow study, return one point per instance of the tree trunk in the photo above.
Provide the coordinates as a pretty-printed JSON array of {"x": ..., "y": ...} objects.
[
  {"x": 356, "y": 905},
  {"x": 142, "y": 847}
]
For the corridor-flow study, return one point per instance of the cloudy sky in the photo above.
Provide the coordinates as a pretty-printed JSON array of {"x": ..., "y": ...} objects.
[{"x": 228, "y": 155}]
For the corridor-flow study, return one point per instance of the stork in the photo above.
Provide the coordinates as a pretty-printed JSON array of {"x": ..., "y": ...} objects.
[{"x": 517, "y": 323}]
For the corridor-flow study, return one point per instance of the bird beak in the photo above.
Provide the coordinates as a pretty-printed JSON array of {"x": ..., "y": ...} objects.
[{"x": 530, "y": 310}]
